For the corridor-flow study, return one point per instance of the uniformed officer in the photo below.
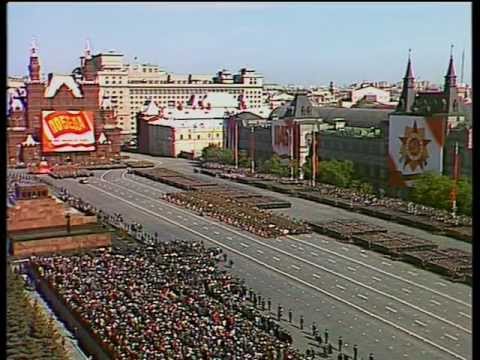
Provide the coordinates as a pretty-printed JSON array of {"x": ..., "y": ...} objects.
[
  {"x": 263, "y": 304},
  {"x": 340, "y": 343},
  {"x": 355, "y": 352},
  {"x": 314, "y": 329},
  {"x": 290, "y": 314},
  {"x": 280, "y": 312},
  {"x": 370, "y": 357},
  {"x": 269, "y": 303},
  {"x": 326, "y": 336},
  {"x": 301, "y": 322}
]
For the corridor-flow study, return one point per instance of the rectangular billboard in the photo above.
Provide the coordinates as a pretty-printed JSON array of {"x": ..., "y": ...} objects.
[
  {"x": 415, "y": 144},
  {"x": 67, "y": 131}
]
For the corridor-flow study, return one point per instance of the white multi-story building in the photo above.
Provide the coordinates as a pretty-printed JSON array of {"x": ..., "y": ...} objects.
[{"x": 131, "y": 86}]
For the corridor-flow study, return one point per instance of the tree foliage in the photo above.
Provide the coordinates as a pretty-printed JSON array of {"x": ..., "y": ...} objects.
[
  {"x": 215, "y": 153},
  {"x": 339, "y": 173},
  {"x": 275, "y": 166},
  {"x": 29, "y": 334},
  {"x": 435, "y": 191}
]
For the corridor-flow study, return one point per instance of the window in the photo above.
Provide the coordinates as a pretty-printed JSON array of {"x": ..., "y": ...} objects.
[
  {"x": 181, "y": 136},
  {"x": 189, "y": 137},
  {"x": 218, "y": 135}
]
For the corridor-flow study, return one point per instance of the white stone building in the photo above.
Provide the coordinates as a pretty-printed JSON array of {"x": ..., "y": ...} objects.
[{"x": 131, "y": 86}]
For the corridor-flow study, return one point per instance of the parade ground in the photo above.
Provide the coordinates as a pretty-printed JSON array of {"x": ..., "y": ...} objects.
[{"x": 386, "y": 307}]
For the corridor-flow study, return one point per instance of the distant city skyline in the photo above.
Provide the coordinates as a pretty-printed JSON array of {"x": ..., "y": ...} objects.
[{"x": 289, "y": 43}]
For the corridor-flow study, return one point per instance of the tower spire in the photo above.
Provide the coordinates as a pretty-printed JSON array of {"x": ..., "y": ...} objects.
[
  {"x": 34, "y": 48},
  {"x": 408, "y": 91},
  {"x": 450, "y": 89},
  {"x": 88, "y": 49},
  {"x": 409, "y": 72},
  {"x": 451, "y": 77},
  {"x": 34, "y": 65}
]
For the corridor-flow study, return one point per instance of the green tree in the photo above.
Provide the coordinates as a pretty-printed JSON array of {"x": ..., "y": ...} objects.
[
  {"x": 339, "y": 173},
  {"x": 433, "y": 190},
  {"x": 464, "y": 196},
  {"x": 307, "y": 169},
  {"x": 215, "y": 153},
  {"x": 243, "y": 159}
]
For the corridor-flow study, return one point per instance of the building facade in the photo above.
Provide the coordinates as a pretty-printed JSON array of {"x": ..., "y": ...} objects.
[
  {"x": 60, "y": 120},
  {"x": 172, "y": 131},
  {"x": 249, "y": 133},
  {"x": 131, "y": 86}
]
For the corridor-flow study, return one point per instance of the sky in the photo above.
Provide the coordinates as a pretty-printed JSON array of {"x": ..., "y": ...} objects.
[{"x": 288, "y": 43}]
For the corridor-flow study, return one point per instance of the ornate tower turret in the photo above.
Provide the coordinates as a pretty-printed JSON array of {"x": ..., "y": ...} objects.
[
  {"x": 450, "y": 88},
  {"x": 408, "y": 91},
  {"x": 34, "y": 66}
]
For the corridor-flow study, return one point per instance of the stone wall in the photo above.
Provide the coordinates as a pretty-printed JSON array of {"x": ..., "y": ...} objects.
[
  {"x": 59, "y": 244},
  {"x": 42, "y": 214}
]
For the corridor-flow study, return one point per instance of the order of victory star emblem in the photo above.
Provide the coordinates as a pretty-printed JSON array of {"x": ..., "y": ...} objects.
[{"x": 413, "y": 151}]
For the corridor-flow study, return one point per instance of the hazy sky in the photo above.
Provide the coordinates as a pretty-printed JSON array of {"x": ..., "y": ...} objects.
[{"x": 289, "y": 43}]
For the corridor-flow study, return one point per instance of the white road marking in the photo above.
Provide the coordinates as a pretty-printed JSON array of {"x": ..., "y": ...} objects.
[
  {"x": 441, "y": 284},
  {"x": 229, "y": 238},
  {"x": 362, "y": 297},
  {"x": 314, "y": 253},
  {"x": 332, "y": 261},
  {"x": 406, "y": 290},
  {"x": 376, "y": 278},
  {"x": 216, "y": 233},
  {"x": 390, "y": 309},
  {"x": 351, "y": 268},
  {"x": 451, "y": 337},
  {"x": 386, "y": 263},
  {"x": 244, "y": 245},
  {"x": 344, "y": 248},
  {"x": 276, "y": 258},
  {"x": 340, "y": 287},
  {"x": 420, "y": 323},
  {"x": 260, "y": 251},
  {"x": 205, "y": 228},
  {"x": 435, "y": 302},
  {"x": 316, "y": 276},
  {"x": 412, "y": 273},
  {"x": 364, "y": 255},
  {"x": 295, "y": 267},
  {"x": 293, "y": 245},
  {"x": 377, "y": 269},
  {"x": 300, "y": 248},
  {"x": 466, "y": 315},
  {"x": 310, "y": 263}
]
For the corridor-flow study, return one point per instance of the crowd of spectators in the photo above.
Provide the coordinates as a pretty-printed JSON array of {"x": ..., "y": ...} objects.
[
  {"x": 358, "y": 198},
  {"x": 165, "y": 302},
  {"x": 407, "y": 207},
  {"x": 238, "y": 214}
]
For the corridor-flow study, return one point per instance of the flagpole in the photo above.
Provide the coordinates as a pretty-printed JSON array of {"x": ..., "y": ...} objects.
[{"x": 455, "y": 181}]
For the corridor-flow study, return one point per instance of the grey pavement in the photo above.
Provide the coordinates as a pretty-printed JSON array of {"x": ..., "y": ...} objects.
[
  {"x": 309, "y": 210},
  {"x": 390, "y": 308}
]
